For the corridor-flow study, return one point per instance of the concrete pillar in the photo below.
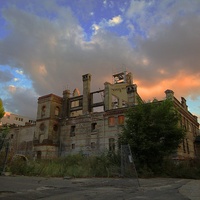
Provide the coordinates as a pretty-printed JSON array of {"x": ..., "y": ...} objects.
[
  {"x": 107, "y": 96},
  {"x": 86, "y": 94}
]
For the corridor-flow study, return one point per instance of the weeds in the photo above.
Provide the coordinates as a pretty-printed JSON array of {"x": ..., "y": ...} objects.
[
  {"x": 72, "y": 165},
  {"x": 99, "y": 166}
]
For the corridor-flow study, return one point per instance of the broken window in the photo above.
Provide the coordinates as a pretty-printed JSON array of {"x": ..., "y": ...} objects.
[
  {"x": 73, "y": 146},
  {"x": 55, "y": 127},
  {"x": 72, "y": 131},
  {"x": 93, "y": 126}
]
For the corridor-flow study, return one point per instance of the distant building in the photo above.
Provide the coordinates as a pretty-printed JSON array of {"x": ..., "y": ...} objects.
[
  {"x": 14, "y": 119},
  {"x": 90, "y": 123}
]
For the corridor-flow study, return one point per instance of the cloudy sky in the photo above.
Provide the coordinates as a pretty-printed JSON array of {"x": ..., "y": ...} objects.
[{"x": 46, "y": 46}]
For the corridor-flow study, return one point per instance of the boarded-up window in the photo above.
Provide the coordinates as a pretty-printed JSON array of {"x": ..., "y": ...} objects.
[
  {"x": 111, "y": 121},
  {"x": 121, "y": 120}
]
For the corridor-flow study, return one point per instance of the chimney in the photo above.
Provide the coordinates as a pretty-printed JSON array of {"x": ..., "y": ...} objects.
[
  {"x": 184, "y": 104},
  {"x": 169, "y": 94},
  {"x": 86, "y": 94},
  {"x": 66, "y": 96}
]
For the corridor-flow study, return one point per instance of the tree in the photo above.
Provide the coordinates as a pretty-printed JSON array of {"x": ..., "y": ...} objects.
[
  {"x": 152, "y": 131},
  {"x": 1, "y": 109}
]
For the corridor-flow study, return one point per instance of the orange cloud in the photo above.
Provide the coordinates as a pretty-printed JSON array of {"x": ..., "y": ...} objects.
[{"x": 182, "y": 85}]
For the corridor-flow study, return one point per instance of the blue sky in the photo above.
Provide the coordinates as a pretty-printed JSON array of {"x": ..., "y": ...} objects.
[{"x": 46, "y": 46}]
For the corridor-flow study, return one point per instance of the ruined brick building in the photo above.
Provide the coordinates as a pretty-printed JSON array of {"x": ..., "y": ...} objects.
[{"x": 83, "y": 123}]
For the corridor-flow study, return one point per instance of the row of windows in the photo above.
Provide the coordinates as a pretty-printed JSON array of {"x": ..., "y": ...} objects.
[
  {"x": 43, "y": 127},
  {"x": 186, "y": 148},
  {"x": 188, "y": 126},
  {"x": 112, "y": 120},
  {"x": 73, "y": 128},
  {"x": 56, "y": 111},
  {"x": 93, "y": 145},
  {"x": 19, "y": 119}
]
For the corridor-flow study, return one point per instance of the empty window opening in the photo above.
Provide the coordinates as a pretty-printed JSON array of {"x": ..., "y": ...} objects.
[
  {"x": 55, "y": 127},
  {"x": 72, "y": 131},
  {"x": 93, "y": 126},
  {"x": 73, "y": 146}
]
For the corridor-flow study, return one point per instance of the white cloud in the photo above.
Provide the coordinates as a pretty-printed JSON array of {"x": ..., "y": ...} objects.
[
  {"x": 107, "y": 23},
  {"x": 95, "y": 28},
  {"x": 19, "y": 71},
  {"x": 16, "y": 79},
  {"x": 115, "y": 21}
]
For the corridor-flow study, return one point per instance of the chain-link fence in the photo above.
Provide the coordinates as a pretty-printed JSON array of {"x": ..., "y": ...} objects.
[{"x": 128, "y": 168}]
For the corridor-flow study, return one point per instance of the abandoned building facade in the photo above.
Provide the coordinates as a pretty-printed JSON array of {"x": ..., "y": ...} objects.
[{"x": 85, "y": 124}]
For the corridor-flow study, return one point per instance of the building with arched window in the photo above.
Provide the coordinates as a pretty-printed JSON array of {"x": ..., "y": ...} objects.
[{"x": 91, "y": 122}]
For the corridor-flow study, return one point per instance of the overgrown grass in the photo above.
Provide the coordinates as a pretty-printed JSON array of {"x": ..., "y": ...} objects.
[
  {"x": 189, "y": 169},
  {"x": 100, "y": 166},
  {"x": 72, "y": 166}
]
